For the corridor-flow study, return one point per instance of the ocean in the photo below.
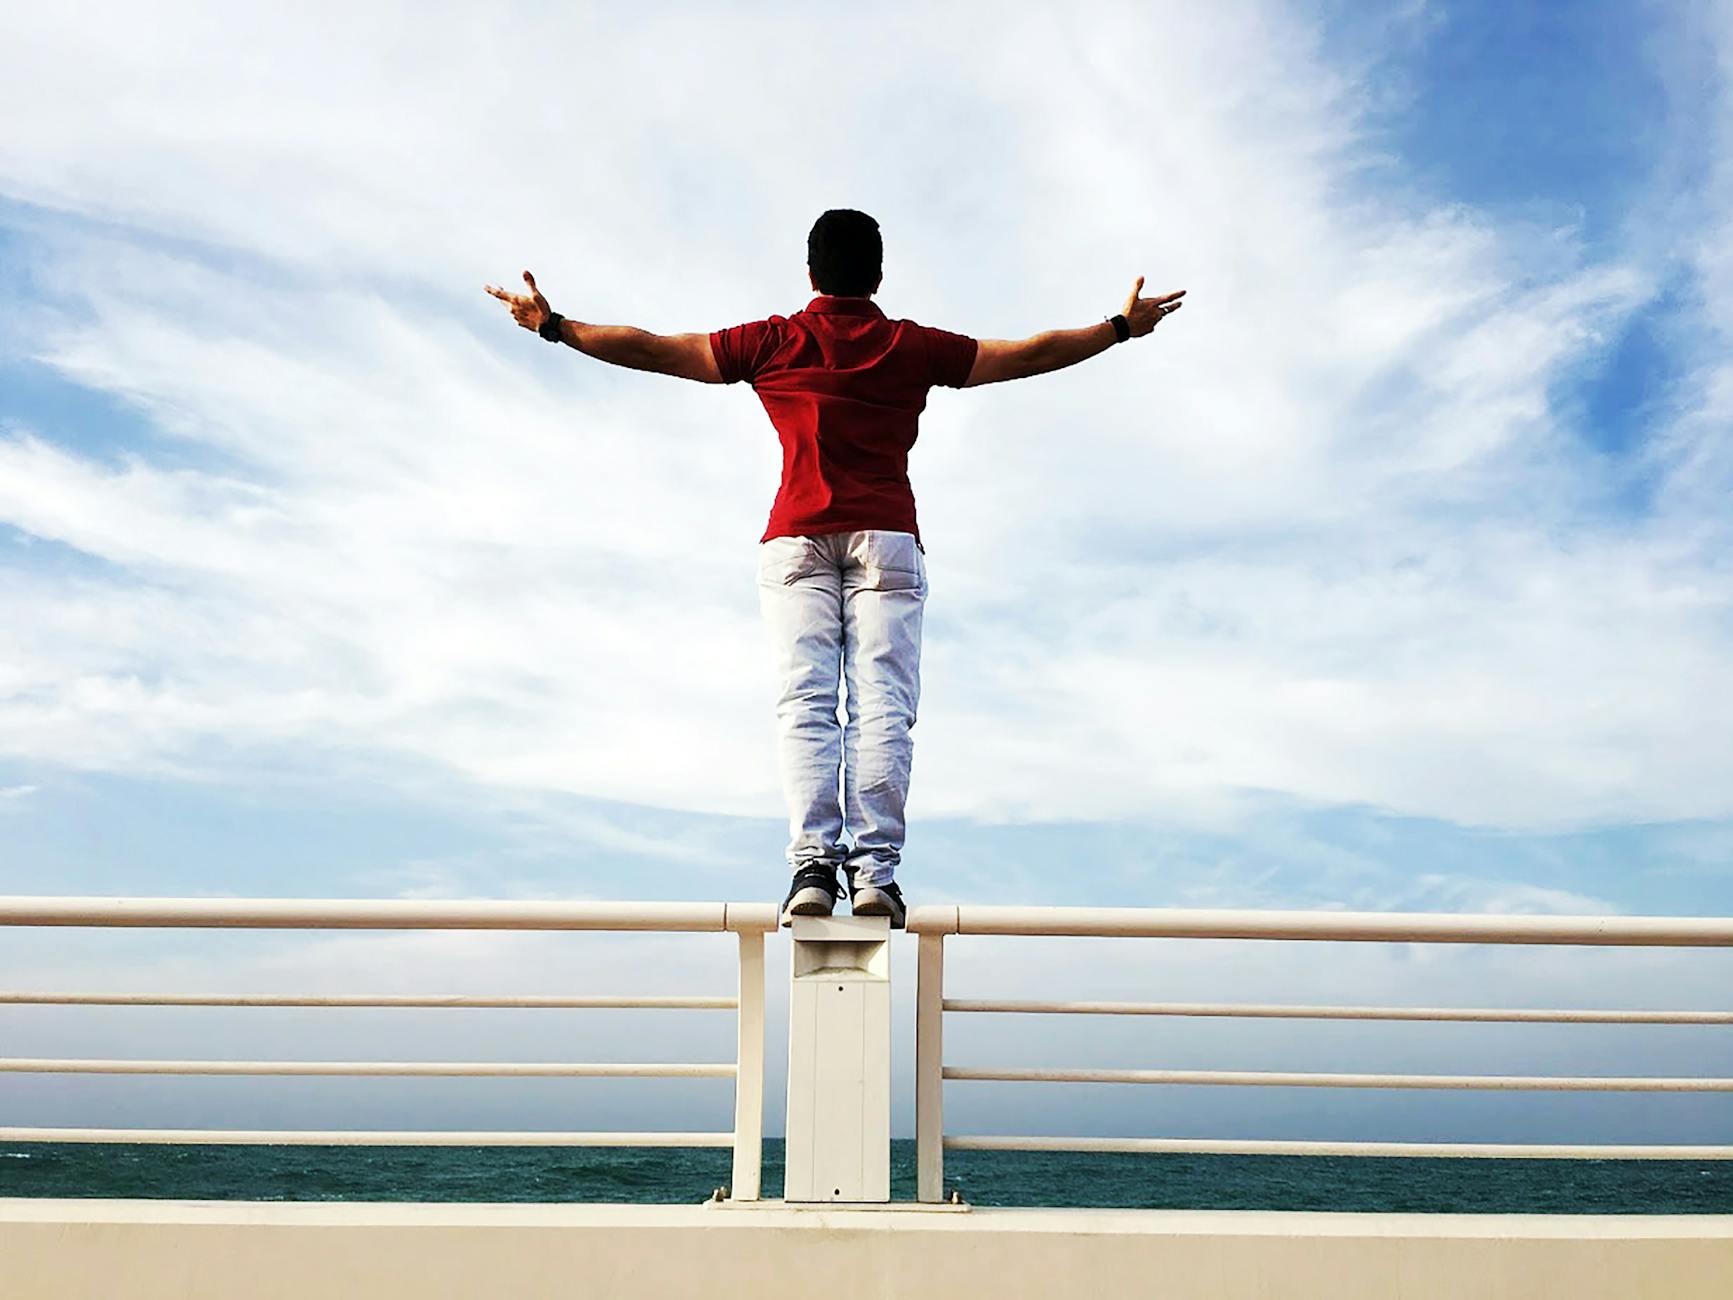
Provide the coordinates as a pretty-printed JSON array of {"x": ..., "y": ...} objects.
[{"x": 659, "y": 1176}]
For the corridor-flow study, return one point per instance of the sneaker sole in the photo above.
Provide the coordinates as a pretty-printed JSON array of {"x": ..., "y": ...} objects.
[
  {"x": 872, "y": 902},
  {"x": 808, "y": 902}
]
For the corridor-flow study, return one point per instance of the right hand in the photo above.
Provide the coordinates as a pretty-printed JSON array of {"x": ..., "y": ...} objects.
[{"x": 1143, "y": 314}]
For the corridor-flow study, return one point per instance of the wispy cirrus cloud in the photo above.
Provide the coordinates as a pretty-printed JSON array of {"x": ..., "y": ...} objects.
[{"x": 1328, "y": 535}]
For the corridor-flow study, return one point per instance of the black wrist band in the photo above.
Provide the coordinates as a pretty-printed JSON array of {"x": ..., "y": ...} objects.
[
  {"x": 550, "y": 328},
  {"x": 1121, "y": 327}
]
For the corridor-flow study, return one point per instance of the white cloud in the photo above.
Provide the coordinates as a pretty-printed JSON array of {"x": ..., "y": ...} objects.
[{"x": 1323, "y": 535}]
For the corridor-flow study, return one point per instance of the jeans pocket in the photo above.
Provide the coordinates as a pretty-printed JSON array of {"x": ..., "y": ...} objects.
[
  {"x": 892, "y": 561},
  {"x": 785, "y": 560}
]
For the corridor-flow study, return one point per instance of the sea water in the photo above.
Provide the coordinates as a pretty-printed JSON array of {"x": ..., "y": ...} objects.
[{"x": 664, "y": 1176}]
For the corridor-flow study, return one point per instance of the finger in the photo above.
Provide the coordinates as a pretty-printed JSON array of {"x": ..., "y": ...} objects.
[
  {"x": 531, "y": 281},
  {"x": 1170, "y": 297},
  {"x": 1138, "y": 287},
  {"x": 497, "y": 292}
]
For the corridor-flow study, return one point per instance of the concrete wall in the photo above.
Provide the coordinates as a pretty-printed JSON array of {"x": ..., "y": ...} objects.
[{"x": 194, "y": 1250}]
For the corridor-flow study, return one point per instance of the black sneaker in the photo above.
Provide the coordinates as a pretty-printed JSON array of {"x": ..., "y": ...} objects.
[
  {"x": 813, "y": 893},
  {"x": 877, "y": 900}
]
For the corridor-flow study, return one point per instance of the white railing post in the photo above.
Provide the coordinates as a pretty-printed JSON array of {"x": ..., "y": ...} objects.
[
  {"x": 749, "y": 1071},
  {"x": 929, "y": 1069},
  {"x": 839, "y": 1061}
]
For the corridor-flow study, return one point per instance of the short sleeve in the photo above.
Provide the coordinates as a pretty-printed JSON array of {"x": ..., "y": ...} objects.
[
  {"x": 742, "y": 351},
  {"x": 952, "y": 356}
]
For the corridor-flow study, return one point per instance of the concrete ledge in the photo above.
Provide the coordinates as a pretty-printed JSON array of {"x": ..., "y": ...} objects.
[{"x": 190, "y": 1250}]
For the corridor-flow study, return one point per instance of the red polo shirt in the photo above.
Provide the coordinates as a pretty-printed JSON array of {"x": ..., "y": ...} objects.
[{"x": 845, "y": 388}]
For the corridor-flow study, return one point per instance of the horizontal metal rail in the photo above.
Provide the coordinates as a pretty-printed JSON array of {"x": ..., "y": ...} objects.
[
  {"x": 1277, "y": 1147},
  {"x": 385, "y": 914},
  {"x": 749, "y": 922},
  {"x": 366, "y": 1137},
  {"x": 537, "y": 1069},
  {"x": 1284, "y": 1079},
  {"x": 365, "y": 1000},
  {"x": 934, "y": 923},
  {"x": 1285, "y": 1012},
  {"x": 1353, "y": 927}
]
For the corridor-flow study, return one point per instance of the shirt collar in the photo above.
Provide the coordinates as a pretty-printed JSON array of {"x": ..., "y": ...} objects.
[{"x": 839, "y": 305}]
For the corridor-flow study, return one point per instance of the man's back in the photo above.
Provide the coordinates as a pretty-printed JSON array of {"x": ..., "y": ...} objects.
[
  {"x": 845, "y": 387},
  {"x": 842, "y": 575}
]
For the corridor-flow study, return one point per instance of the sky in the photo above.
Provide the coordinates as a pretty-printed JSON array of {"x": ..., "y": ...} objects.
[{"x": 1393, "y": 573}]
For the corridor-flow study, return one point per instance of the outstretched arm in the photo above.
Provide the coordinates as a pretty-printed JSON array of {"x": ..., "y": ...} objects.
[
  {"x": 685, "y": 356},
  {"x": 1000, "y": 359}
]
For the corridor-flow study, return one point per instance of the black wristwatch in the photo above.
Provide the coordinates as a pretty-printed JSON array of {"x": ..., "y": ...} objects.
[
  {"x": 550, "y": 328},
  {"x": 1121, "y": 327}
]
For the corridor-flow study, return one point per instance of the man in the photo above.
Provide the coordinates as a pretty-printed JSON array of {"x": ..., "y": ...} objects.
[{"x": 842, "y": 576}]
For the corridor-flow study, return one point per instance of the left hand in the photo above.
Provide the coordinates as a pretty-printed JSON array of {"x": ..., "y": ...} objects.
[{"x": 527, "y": 310}]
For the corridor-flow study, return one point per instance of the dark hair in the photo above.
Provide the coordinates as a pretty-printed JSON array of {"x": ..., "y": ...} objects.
[{"x": 845, "y": 253}]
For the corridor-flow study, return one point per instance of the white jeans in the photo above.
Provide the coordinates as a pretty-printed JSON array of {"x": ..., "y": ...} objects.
[{"x": 845, "y": 608}]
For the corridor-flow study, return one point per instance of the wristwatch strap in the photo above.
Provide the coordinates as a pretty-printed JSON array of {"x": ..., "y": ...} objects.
[
  {"x": 1121, "y": 327},
  {"x": 550, "y": 328}
]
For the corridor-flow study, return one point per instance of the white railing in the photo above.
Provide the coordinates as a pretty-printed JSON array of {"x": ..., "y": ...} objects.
[
  {"x": 748, "y": 921},
  {"x": 751, "y": 921},
  {"x": 933, "y": 924}
]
